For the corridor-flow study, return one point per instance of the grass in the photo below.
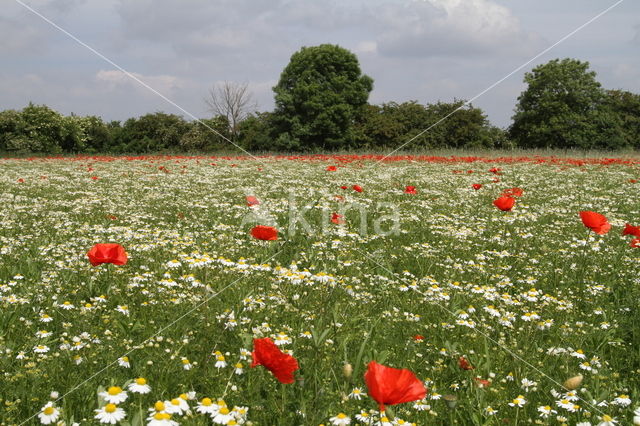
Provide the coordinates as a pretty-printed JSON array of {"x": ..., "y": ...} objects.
[{"x": 527, "y": 296}]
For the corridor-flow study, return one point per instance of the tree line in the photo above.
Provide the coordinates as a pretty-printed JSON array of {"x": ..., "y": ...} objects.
[{"x": 321, "y": 104}]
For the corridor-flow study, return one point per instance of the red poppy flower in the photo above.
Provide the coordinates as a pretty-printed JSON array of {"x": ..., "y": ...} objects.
[
  {"x": 390, "y": 386},
  {"x": 464, "y": 364},
  {"x": 332, "y": 168},
  {"x": 20, "y": 180},
  {"x": 357, "y": 188},
  {"x": 595, "y": 221},
  {"x": 252, "y": 201},
  {"x": 482, "y": 383},
  {"x": 495, "y": 171},
  {"x": 267, "y": 233},
  {"x": 513, "y": 192},
  {"x": 107, "y": 253},
  {"x": 267, "y": 354},
  {"x": 338, "y": 219},
  {"x": 633, "y": 180},
  {"x": 410, "y": 190},
  {"x": 95, "y": 177},
  {"x": 495, "y": 180},
  {"x": 343, "y": 187},
  {"x": 631, "y": 230},
  {"x": 635, "y": 243},
  {"x": 505, "y": 203},
  {"x": 418, "y": 337},
  {"x": 112, "y": 217},
  {"x": 476, "y": 186}
]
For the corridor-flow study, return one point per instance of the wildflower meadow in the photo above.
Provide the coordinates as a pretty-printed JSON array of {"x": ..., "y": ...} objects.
[{"x": 319, "y": 290}]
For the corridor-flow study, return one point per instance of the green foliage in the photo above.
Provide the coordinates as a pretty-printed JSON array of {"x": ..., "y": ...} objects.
[
  {"x": 255, "y": 132},
  {"x": 201, "y": 137},
  {"x": 152, "y": 132},
  {"x": 320, "y": 93},
  {"x": 564, "y": 107},
  {"x": 97, "y": 135},
  {"x": 10, "y": 127},
  {"x": 392, "y": 125},
  {"x": 626, "y": 106}
]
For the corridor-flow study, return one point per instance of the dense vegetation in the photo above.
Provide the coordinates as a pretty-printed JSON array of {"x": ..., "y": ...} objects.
[{"x": 322, "y": 104}]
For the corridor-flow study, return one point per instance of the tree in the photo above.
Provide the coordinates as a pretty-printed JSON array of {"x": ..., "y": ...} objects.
[
  {"x": 201, "y": 138},
  {"x": 319, "y": 95},
  {"x": 392, "y": 124},
  {"x": 626, "y": 106},
  {"x": 152, "y": 132},
  {"x": 233, "y": 101},
  {"x": 563, "y": 107}
]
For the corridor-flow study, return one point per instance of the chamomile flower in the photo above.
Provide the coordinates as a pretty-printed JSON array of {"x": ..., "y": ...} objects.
[
  {"x": 110, "y": 414},
  {"x": 161, "y": 419},
  {"x": 490, "y": 411},
  {"x": 223, "y": 416},
  {"x": 114, "y": 395},
  {"x": 518, "y": 402},
  {"x": 363, "y": 417},
  {"x": 43, "y": 334},
  {"x": 139, "y": 385},
  {"x": 177, "y": 406},
  {"x": 340, "y": 420},
  {"x": 124, "y": 362},
  {"x": 357, "y": 393},
  {"x": 622, "y": 401},
  {"x": 123, "y": 309},
  {"x": 186, "y": 364},
  {"x": 48, "y": 414},
  {"x": 546, "y": 411},
  {"x": 206, "y": 406},
  {"x": 41, "y": 349},
  {"x": 220, "y": 361},
  {"x": 238, "y": 368},
  {"x": 607, "y": 421}
]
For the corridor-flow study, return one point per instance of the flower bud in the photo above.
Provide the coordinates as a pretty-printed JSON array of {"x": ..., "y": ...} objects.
[
  {"x": 347, "y": 370},
  {"x": 573, "y": 382}
]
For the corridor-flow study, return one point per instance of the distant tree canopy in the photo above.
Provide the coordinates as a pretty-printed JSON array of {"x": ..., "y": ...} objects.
[
  {"x": 320, "y": 94},
  {"x": 321, "y": 104},
  {"x": 391, "y": 125},
  {"x": 564, "y": 106}
]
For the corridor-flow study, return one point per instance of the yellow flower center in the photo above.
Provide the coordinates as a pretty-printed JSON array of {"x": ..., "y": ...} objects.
[
  {"x": 141, "y": 381},
  {"x": 125, "y": 358},
  {"x": 87, "y": 305},
  {"x": 206, "y": 402},
  {"x": 239, "y": 365},
  {"x": 114, "y": 390},
  {"x": 110, "y": 408},
  {"x": 607, "y": 418},
  {"x": 341, "y": 416},
  {"x": 175, "y": 401},
  {"x": 185, "y": 361},
  {"x": 184, "y": 396},
  {"x": 159, "y": 406},
  {"x": 48, "y": 410},
  {"x": 162, "y": 416},
  {"x": 224, "y": 410},
  {"x": 220, "y": 357}
]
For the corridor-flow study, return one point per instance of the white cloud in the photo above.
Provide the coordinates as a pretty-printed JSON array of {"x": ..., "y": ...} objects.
[
  {"x": 452, "y": 28},
  {"x": 116, "y": 79}
]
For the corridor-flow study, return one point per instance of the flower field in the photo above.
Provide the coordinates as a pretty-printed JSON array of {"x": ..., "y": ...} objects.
[{"x": 258, "y": 291}]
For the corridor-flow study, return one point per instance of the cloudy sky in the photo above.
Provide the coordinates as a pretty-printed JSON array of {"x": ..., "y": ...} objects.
[{"x": 424, "y": 50}]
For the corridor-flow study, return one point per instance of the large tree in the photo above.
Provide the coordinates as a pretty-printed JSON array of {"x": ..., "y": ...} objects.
[
  {"x": 320, "y": 94},
  {"x": 563, "y": 107}
]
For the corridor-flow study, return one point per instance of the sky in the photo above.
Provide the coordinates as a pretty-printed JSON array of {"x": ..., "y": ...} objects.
[{"x": 423, "y": 50}]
